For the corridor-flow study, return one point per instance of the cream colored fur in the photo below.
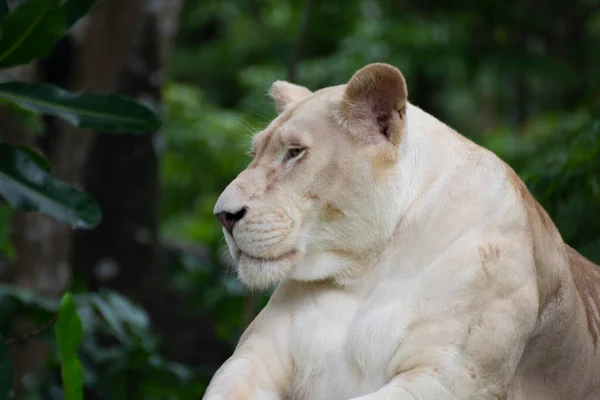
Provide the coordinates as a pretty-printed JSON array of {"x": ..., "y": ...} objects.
[{"x": 410, "y": 263}]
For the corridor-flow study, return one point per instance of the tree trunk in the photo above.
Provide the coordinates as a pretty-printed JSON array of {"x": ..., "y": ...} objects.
[
  {"x": 122, "y": 175},
  {"x": 124, "y": 253}
]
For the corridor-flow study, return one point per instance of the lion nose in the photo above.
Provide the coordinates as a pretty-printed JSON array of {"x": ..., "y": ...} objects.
[{"x": 228, "y": 220}]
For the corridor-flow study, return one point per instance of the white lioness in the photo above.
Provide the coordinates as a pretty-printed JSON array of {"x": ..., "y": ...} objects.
[{"x": 410, "y": 262}]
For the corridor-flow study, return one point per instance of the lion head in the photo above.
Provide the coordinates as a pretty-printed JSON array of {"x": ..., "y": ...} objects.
[{"x": 320, "y": 195}]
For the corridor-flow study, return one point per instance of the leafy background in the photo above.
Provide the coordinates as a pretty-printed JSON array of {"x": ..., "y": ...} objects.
[{"x": 159, "y": 306}]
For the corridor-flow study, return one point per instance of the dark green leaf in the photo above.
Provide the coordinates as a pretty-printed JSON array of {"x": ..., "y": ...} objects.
[
  {"x": 69, "y": 333},
  {"x": 26, "y": 185},
  {"x": 125, "y": 320},
  {"x": 4, "y": 10},
  {"x": 6, "y": 246},
  {"x": 16, "y": 302},
  {"x": 111, "y": 317},
  {"x": 30, "y": 31},
  {"x": 39, "y": 159},
  {"x": 76, "y": 9},
  {"x": 105, "y": 112},
  {"x": 6, "y": 391},
  {"x": 30, "y": 121},
  {"x": 132, "y": 315},
  {"x": 27, "y": 298}
]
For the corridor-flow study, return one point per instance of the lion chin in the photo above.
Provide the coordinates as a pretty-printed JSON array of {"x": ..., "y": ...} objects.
[{"x": 258, "y": 273}]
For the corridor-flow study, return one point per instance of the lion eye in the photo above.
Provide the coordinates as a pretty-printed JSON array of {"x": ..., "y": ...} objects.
[{"x": 295, "y": 152}]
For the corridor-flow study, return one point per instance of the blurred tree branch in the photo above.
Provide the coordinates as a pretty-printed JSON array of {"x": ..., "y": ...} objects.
[
  {"x": 299, "y": 44},
  {"x": 35, "y": 332}
]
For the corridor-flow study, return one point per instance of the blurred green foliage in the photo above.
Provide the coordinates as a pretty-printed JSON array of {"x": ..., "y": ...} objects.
[
  {"x": 205, "y": 147},
  {"x": 119, "y": 352},
  {"x": 519, "y": 78}
]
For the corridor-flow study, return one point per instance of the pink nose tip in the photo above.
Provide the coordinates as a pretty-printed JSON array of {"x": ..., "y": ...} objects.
[{"x": 228, "y": 220}]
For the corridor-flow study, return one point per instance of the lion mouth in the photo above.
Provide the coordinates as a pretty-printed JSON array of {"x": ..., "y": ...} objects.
[{"x": 281, "y": 257}]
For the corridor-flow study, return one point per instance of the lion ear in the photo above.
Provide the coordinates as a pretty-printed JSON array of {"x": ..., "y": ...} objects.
[
  {"x": 285, "y": 93},
  {"x": 374, "y": 103}
]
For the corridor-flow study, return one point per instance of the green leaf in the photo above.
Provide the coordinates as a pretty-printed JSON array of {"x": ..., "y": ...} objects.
[
  {"x": 6, "y": 246},
  {"x": 27, "y": 298},
  {"x": 76, "y": 9},
  {"x": 111, "y": 317},
  {"x": 104, "y": 112},
  {"x": 30, "y": 31},
  {"x": 125, "y": 320},
  {"x": 6, "y": 391},
  {"x": 26, "y": 185},
  {"x": 30, "y": 121},
  {"x": 69, "y": 333},
  {"x": 37, "y": 158},
  {"x": 4, "y": 10}
]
